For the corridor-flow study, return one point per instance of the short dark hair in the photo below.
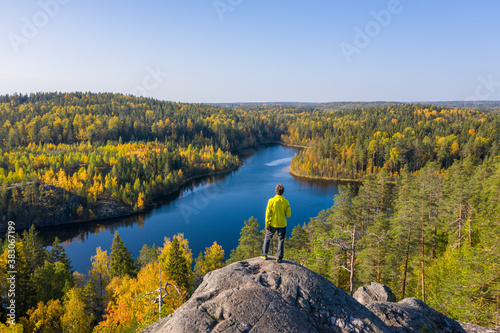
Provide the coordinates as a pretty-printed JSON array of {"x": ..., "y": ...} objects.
[{"x": 279, "y": 189}]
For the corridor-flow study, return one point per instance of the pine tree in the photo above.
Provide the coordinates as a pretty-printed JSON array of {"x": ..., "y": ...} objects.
[
  {"x": 177, "y": 266},
  {"x": 199, "y": 268},
  {"x": 456, "y": 204},
  {"x": 30, "y": 255},
  {"x": 58, "y": 254},
  {"x": 93, "y": 302},
  {"x": 250, "y": 242},
  {"x": 425, "y": 199},
  {"x": 371, "y": 206},
  {"x": 147, "y": 255},
  {"x": 345, "y": 231},
  {"x": 403, "y": 232},
  {"x": 34, "y": 252},
  {"x": 299, "y": 245},
  {"x": 250, "y": 237},
  {"x": 120, "y": 261},
  {"x": 52, "y": 281}
]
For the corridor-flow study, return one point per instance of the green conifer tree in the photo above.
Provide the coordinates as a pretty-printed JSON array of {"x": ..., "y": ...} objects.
[
  {"x": 177, "y": 266},
  {"x": 120, "y": 259},
  {"x": 250, "y": 242},
  {"x": 52, "y": 281},
  {"x": 58, "y": 254},
  {"x": 146, "y": 255},
  {"x": 34, "y": 252}
]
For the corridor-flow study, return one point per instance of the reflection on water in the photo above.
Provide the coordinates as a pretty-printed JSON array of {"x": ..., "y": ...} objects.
[{"x": 79, "y": 232}]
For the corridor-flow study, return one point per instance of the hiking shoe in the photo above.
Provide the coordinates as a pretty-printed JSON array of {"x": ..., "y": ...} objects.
[
  {"x": 279, "y": 260},
  {"x": 263, "y": 257}
]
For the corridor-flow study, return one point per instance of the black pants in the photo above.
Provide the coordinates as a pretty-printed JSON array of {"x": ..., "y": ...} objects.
[{"x": 281, "y": 241}]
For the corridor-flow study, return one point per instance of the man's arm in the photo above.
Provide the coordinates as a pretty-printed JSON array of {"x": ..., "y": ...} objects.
[
  {"x": 269, "y": 213},
  {"x": 288, "y": 212}
]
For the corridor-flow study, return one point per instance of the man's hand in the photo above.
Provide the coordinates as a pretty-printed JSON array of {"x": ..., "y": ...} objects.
[{"x": 268, "y": 228}]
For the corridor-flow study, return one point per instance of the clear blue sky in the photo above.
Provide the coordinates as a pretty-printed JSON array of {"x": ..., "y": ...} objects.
[{"x": 254, "y": 50}]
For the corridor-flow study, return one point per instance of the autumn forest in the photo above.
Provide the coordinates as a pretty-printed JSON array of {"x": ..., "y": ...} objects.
[{"x": 419, "y": 209}]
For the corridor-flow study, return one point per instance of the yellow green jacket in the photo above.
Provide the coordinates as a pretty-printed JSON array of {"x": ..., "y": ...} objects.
[{"x": 278, "y": 209}]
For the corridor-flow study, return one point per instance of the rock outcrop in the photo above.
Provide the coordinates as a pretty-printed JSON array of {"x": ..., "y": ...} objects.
[
  {"x": 410, "y": 314},
  {"x": 55, "y": 206},
  {"x": 413, "y": 315},
  {"x": 470, "y": 328},
  {"x": 374, "y": 292},
  {"x": 262, "y": 296}
]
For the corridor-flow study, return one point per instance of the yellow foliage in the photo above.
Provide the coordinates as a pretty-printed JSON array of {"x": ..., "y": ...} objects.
[
  {"x": 164, "y": 256},
  {"x": 45, "y": 317},
  {"x": 8, "y": 328},
  {"x": 133, "y": 300},
  {"x": 213, "y": 258},
  {"x": 100, "y": 268},
  {"x": 455, "y": 148},
  {"x": 75, "y": 318},
  {"x": 140, "y": 201}
]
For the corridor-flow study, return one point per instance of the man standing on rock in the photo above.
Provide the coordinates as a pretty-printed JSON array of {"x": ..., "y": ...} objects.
[{"x": 278, "y": 209}]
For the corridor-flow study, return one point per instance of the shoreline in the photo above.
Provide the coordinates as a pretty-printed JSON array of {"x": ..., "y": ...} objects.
[
  {"x": 137, "y": 212},
  {"x": 298, "y": 175},
  {"x": 292, "y": 145},
  {"x": 127, "y": 211},
  {"x": 130, "y": 212}
]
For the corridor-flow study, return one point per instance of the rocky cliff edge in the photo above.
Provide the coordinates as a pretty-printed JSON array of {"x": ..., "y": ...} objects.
[{"x": 259, "y": 295}]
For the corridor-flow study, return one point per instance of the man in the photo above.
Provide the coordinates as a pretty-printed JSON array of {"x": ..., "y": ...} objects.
[{"x": 278, "y": 209}]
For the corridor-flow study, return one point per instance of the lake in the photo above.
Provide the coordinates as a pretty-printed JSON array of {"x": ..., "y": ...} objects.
[{"x": 211, "y": 209}]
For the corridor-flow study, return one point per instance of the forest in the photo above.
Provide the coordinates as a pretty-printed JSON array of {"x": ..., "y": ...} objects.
[
  {"x": 422, "y": 217},
  {"x": 351, "y": 144},
  {"x": 98, "y": 155},
  {"x": 117, "y": 294},
  {"x": 434, "y": 235}
]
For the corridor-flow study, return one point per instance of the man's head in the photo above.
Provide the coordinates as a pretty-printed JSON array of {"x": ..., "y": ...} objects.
[{"x": 279, "y": 189}]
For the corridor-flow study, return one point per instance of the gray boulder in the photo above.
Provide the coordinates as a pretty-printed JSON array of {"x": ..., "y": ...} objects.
[
  {"x": 263, "y": 296},
  {"x": 413, "y": 315},
  {"x": 373, "y": 293},
  {"x": 470, "y": 328}
]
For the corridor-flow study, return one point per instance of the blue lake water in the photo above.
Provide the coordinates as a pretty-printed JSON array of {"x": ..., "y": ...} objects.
[{"x": 209, "y": 210}]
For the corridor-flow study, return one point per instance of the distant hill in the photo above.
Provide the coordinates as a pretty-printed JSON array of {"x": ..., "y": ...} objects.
[
  {"x": 478, "y": 105},
  {"x": 242, "y": 105},
  {"x": 352, "y": 105}
]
